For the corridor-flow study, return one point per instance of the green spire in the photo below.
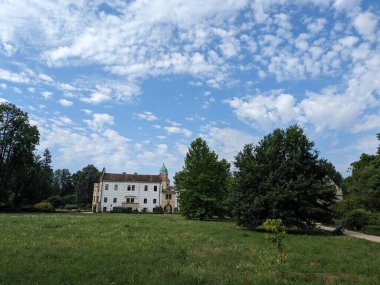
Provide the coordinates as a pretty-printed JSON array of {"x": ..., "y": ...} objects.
[{"x": 163, "y": 170}]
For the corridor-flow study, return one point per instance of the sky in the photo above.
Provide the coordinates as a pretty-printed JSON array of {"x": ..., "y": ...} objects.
[{"x": 128, "y": 85}]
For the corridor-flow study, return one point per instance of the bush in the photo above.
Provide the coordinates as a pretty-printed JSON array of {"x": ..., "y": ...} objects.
[
  {"x": 43, "y": 206},
  {"x": 158, "y": 210},
  {"x": 357, "y": 219},
  {"x": 57, "y": 201},
  {"x": 121, "y": 210},
  {"x": 71, "y": 207},
  {"x": 372, "y": 230}
]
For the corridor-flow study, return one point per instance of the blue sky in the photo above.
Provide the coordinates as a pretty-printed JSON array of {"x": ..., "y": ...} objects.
[{"x": 128, "y": 85}]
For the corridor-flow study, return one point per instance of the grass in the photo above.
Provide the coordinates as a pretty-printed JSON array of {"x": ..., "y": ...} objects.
[{"x": 167, "y": 249}]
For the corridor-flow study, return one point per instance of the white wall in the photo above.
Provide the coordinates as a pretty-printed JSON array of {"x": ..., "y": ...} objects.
[{"x": 121, "y": 193}]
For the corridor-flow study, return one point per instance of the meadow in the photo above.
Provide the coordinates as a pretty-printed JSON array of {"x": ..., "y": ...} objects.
[{"x": 168, "y": 249}]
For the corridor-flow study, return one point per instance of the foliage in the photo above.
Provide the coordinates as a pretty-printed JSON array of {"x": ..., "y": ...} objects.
[
  {"x": 84, "y": 184},
  {"x": 282, "y": 177},
  {"x": 202, "y": 183},
  {"x": 121, "y": 210},
  {"x": 44, "y": 207},
  {"x": 372, "y": 230},
  {"x": 363, "y": 186},
  {"x": 276, "y": 233},
  {"x": 63, "y": 182},
  {"x": 158, "y": 210},
  {"x": 122, "y": 249},
  {"x": 357, "y": 219},
  {"x": 71, "y": 207},
  {"x": 18, "y": 140}
]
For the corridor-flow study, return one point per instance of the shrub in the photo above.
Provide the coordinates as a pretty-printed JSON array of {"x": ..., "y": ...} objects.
[
  {"x": 43, "y": 206},
  {"x": 71, "y": 207},
  {"x": 372, "y": 230},
  {"x": 276, "y": 233},
  {"x": 158, "y": 210},
  {"x": 121, "y": 210},
  {"x": 357, "y": 219},
  {"x": 57, "y": 201}
]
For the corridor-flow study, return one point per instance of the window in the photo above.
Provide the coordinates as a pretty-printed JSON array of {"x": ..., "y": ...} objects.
[
  {"x": 93, "y": 199},
  {"x": 115, "y": 200},
  {"x": 154, "y": 201},
  {"x": 128, "y": 200},
  {"x": 144, "y": 210},
  {"x": 133, "y": 187},
  {"x": 145, "y": 200},
  {"x": 104, "y": 209},
  {"x": 129, "y": 188},
  {"x": 155, "y": 187},
  {"x": 105, "y": 199},
  {"x": 168, "y": 196},
  {"x": 106, "y": 187},
  {"x": 132, "y": 200},
  {"x": 146, "y": 188},
  {"x": 115, "y": 187}
]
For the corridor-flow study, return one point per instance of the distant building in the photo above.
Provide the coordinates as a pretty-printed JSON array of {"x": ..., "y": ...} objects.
[{"x": 140, "y": 192}]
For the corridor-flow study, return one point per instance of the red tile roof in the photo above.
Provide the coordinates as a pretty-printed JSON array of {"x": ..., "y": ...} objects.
[{"x": 131, "y": 177}]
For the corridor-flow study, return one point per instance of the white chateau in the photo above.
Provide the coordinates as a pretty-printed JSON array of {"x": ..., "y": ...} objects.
[{"x": 142, "y": 192}]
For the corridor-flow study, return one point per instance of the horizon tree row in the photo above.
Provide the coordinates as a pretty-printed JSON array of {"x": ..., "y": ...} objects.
[{"x": 27, "y": 178}]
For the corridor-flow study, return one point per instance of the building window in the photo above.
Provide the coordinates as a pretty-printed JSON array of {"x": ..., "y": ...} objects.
[
  {"x": 132, "y": 200},
  {"x": 133, "y": 187},
  {"x": 145, "y": 200},
  {"x": 146, "y": 188},
  {"x": 115, "y": 187},
  {"x": 115, "y": 200},
  {"x": 144, "y": 210},
  {"x": 168, "y": 196},
  {"x": 155, "y": 187},
  {"x": 129, "y": 188},
  {"x": 154, "y": 201},
  {"x": 106, "y": 187},
  {"x": 105, "y": 199},
  {"x": 104, "y": 209},
  {"x": 128, "y": 200}
]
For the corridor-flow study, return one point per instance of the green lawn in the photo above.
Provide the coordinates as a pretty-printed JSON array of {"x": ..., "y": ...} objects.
[{"x": 167, "y": 249}]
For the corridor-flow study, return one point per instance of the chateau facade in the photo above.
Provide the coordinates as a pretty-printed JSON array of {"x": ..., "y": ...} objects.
[{"x": 140, "y": 192}]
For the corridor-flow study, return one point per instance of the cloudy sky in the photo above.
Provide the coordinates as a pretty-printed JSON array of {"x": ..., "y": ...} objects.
[{"x": 128, "y": 85}]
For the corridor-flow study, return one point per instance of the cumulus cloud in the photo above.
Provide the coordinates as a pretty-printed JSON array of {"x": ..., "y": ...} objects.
[
  {"x": 99, "y": 121},
  {"x": 366, "y": 24},
  {"x": 14, "y": 77},
  {"x": 65, "y": 102},
  {"x": 147, "y": 116}
]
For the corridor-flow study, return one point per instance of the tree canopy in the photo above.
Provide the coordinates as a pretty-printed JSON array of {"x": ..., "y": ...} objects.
[
  {"x": 202, "y": 183},
  {"x": 282, "y": 177},
  {"x": 18, "y": 140}
]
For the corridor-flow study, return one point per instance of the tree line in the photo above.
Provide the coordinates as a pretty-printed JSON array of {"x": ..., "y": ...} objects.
[
  {"x": 281, "y": 177},
  {"x": 26, "y": 178}
]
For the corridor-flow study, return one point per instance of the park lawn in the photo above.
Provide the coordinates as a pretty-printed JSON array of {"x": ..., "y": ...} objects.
[{"x": 168, "y": 249}]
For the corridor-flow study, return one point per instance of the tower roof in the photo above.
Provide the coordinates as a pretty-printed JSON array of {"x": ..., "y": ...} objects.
[{"x": 163, "y": 170}]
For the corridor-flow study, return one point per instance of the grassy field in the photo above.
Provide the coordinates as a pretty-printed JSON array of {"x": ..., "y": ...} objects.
[{"x": 167, "y": 249}]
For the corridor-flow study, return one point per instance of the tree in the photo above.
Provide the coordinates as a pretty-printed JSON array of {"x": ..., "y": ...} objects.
[
  {"x": 84, "y": 184},
  {"x": 63, "y": 182},
  {"x": 202, "y": 183},
  {"x": 18, "y": 140},
  {"x": 282, "y": 178},
  {"x": 363, "y": 186}
]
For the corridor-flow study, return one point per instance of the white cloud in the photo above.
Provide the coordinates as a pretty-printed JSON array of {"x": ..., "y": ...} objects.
[
  {"x": 178, "y": 130},
  {"x": 227, "y": 142},
  {"x": 45, "y": 77},
  {"x": 46, "y": 94},
  {"x": 3, "y": 100},
  {"x": 366, "y": 24},
  {"x": 99, "y": 121},
  {"x": 65, "y": 102},
  {"x": 13, "y": 77},
  {"x": 147, "y": 116},
  {"x": 3, "y": 86},
  {"x": 264, "y": 111}
]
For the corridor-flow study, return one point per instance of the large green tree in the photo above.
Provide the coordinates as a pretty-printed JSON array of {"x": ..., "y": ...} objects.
[
  {"x": 363, "y": 186},
  {"x": 84, "y": 184},
  {"x": 63, "y": 182},
  {"x": 282, "y": 177},
  {"x": 18, "y": 140},
  {"x": 202, "y": 183}
]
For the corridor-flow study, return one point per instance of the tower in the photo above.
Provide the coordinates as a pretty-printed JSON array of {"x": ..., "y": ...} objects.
[{"x": 164, "y": 175}]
